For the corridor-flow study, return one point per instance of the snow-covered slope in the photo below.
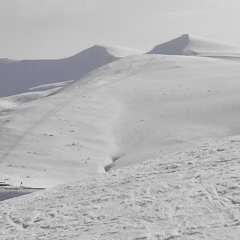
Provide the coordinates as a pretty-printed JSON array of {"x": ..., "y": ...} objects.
[
  {"x": 193, "y": 194},
  {"x": 196, "y": 46},
  {"x": 136, "y": 108},
  {"x": 19, "y": 76}
]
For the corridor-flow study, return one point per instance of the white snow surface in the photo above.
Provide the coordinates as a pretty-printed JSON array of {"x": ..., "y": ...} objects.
[
  {"x": 19, "y": 76},
  {"x": 95, "y": 117},
  {"x": 192, "y": 194},
  {"x": 136, "y": 108},
  {"x": 196, "y": 46}
]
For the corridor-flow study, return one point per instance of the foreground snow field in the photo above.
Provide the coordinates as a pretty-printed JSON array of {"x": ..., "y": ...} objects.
[{"x": 193, "y": 194}]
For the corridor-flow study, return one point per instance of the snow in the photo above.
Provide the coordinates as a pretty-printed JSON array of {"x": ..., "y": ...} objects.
[
  {"x": 196, "y": 46},
  {"x": 5, "y": 61},
  {"x": 119, "y": 51},
  {"x": 8, "y": 192},
  {"x": 18, "y": 76},
  {"x": 95, "y": 118},
  {"x": 136, "y": 108},
  {"x": 7, "y": 103},
  {"x": 192, "y": 194}
]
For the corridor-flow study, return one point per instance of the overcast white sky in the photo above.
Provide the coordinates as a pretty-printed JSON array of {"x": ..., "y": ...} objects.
[{"x": 32, "y": 29}]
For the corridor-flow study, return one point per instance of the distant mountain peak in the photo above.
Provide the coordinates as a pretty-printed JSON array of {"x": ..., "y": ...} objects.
[
  {"x": 116, "y": 51},
  {"x": 191, "y": 45},
  {"x": 27, "y": 74}
]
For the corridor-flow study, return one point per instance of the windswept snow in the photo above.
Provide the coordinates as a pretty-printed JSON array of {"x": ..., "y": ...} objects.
[
  {"x": 196, "y": 46},
  {"x": 19, "y": 76},
  {"x": 193, "y": 194}
]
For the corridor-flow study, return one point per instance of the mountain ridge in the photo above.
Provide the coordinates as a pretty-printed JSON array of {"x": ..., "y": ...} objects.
[
  {"x": 18, "y": 76},
  {"x": 190, "y": 45},
  {"x": 130, "y": 110}
]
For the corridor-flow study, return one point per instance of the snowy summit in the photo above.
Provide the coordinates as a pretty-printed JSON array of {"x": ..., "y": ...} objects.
[{"x": 196, "y": 46}]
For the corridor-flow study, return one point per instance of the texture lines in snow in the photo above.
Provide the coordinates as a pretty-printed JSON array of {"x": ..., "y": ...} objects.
[{"x": 187, "y": 195}]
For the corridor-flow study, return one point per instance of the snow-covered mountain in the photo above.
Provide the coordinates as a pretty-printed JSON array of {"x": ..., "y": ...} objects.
[
  {"x": 136, "y": 108},
  {"x": 196, "y": 46},
  {"x": 19, "y": 76},
  {"x": 95, "y": 119}
]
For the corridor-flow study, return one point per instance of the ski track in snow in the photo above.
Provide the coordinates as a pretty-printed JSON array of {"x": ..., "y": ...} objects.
[{"x": 193, "y": 194}]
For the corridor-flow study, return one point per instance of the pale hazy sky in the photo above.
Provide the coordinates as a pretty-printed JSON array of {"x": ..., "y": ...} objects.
[{"x": 59, "y": 28}]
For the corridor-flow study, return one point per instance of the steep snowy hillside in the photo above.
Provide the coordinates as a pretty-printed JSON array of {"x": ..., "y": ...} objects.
[
  {"x": 196, "y": 46},
  {"x": 19, "y": 76},
  {"x": 193, "y": 194},
  {"x": 136, "y": 108}
]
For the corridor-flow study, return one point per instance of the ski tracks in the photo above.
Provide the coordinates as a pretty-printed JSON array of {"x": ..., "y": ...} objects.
[{"x": 187, "y": 195}]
